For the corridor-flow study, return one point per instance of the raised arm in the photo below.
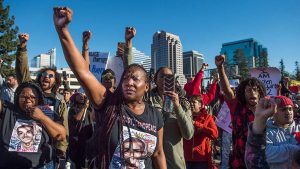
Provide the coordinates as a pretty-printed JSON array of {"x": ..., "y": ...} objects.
[
  {"x": 229, "y": 94},
  {"x": 210, "y": 95},
  {"x": 130, "y": 33},
  {"x": 93, "y": 88},
  {"x": 193, "y": 87},
  {"x": 255, "y": 153},
  {"x": 86, "y": 36},
  {"x": 22, "y": 68}
]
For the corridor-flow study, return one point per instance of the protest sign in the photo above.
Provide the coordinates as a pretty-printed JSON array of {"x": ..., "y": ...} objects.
[
  {"x": 270, "y": 77},
  {"x": 98, "y": 62},
  {"x": 115, "y": 63},
  {"x": 224, "y": 118}
]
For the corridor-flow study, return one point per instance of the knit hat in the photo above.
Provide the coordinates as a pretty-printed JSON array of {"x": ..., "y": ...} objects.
[{"x": 284, "y": 101}]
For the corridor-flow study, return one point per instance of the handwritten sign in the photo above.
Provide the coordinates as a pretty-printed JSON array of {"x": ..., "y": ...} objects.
[
  {"x": 224, "y": 119},
  {"x": 98, "y": 62},
  {"x": 270, "y": 77},
  {"x": 116, "y": 64}
]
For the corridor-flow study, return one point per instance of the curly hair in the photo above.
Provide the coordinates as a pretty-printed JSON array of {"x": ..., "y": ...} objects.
[
  {"x": 57, "y": 82},
  {"x": 251, "y": 82},
  {"x": 33, "y": 86}
]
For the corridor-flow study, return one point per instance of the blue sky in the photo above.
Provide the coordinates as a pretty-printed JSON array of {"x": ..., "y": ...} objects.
[{"x": 202, "y": 25}]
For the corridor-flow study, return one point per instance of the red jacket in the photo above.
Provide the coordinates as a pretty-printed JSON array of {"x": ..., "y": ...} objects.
[
  {"x": 193, "y": 88},
  {"x": 198, "y": 149}
]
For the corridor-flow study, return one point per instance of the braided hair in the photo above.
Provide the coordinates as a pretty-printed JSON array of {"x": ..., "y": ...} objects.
[{"x": 113, "y": 112}]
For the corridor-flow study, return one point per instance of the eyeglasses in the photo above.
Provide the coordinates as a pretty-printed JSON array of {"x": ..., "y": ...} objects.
[
  {"x": 45, "y": 74},
  {"x": 23, "y": 98}
]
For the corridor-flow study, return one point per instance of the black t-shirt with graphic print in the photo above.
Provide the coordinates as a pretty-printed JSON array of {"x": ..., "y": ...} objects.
[
  {"x": 24, "y": 142},
  {"x": 139, "y": 139}
]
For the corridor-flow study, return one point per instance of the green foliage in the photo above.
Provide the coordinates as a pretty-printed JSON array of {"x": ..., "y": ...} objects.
[
  {"x": 282, "y": 69},
  {"x": 297, "y": 71},
  {"x": 264, "y": 59},
  {"x": 241, "y": 60},
  {"x": 8, "y": 39}
]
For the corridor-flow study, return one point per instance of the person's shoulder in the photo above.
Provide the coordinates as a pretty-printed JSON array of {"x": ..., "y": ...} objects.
[
  {"x": 150, "y": 108},
  {"x": 7, "y": 104}
]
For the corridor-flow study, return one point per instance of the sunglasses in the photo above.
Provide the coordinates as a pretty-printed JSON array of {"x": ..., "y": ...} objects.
[
  {"x": 45, "y": 74},
  {"x": 108, "y": 76}
]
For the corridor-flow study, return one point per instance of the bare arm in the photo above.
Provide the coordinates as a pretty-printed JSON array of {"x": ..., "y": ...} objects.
[
  {"x": 219, "y": 60},
  {"x": 93, "y": 88},
  {"x": 130, "y": 33},
  {"x": 158, "y": 157},
  {"x": 86, "y": 36},
  {"x": 55, "y": 130}
]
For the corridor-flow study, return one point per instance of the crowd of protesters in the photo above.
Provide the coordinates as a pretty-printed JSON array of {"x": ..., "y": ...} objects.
[{"x": 122, "y": 121}]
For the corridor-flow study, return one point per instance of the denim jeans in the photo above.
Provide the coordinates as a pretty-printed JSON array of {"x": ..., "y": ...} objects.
[
  {"x": 226, "y": 148},
  {"x": 49, "y": 165}
]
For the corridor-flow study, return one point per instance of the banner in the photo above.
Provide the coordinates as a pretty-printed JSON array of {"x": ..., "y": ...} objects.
[
  {"x": 98, "y": 62},
  {"x": 270, "y": 77},
  {"x": 295, "y": 83},
  {"x": 224, "y": 118}
]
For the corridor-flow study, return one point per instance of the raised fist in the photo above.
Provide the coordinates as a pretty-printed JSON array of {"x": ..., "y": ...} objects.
[
  {"x": 23, "y": 37},
  {"x": 130, "y": 32},
  {"x": 86, "y": 36},
  {"x": 266, "y": 108},
  {"x": 219, "y": 60},
  {"x": 204, "y": 66},
  {"x": 62, "y": 16}
]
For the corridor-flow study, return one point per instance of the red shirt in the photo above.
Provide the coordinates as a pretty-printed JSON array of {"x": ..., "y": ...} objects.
[
  {"x": 241, "y": 116},
  {"x": 193, "y": 88},
  {"x": 198, "y": 148}
]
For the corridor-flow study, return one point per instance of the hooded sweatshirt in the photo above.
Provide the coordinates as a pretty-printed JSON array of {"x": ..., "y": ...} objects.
[{"x": 282, "y": 143}]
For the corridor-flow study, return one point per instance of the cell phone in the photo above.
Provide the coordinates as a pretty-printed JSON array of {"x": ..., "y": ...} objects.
[
  {"x": 169, "y": 85},
  {"x": 64, "y": 73}
]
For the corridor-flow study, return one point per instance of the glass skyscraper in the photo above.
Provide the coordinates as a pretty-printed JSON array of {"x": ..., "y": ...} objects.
[{"x": 252, "y": 50}]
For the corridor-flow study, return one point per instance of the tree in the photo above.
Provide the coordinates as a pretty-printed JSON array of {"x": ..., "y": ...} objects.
[
  {"x": 241, "y": 60},
  {"x": 282, "y": 69},
  {"x": 8, "y": 39},
  {"x": 297, "y": 71},
  {"x": 264, "y": 60}
]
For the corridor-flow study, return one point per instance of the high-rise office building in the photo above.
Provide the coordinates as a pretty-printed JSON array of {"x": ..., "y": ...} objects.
[
  {"x": 44, "y": 60},
  {"x": 166, "y": 50},
  {"x": 141, "y": 59},
  {"x": 192, "y": 63},
  {"x": 52, "y": 53},
  {"x": 254, "y": 52}
]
